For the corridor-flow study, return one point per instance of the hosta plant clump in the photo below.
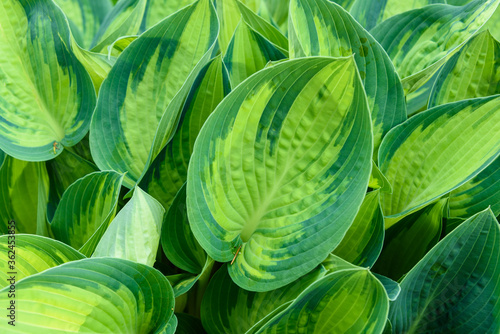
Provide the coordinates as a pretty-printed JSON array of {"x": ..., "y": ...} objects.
[{"x": 250, "y": 166}]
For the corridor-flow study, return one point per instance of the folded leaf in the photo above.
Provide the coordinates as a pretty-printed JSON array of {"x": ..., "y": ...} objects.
[
  {"x": 30, "y": 254},
  {"x": 84, "y": 17},
  {"x": 363, "y": 241},
  {"x": 46, "y": 96},
  {"x": 454, "y": 288},
  {"x": 92, "y": 296},
  {"x": 263, "y": 185},
  {"x": 322, "y": 28},
  {"x": 227, "y": 308},
  {"x": 85, "y": 210},
  {"x": 407, "y": 242},
  {"x": 134, "y": 234},
  {"x": 419, "y": 38},
  {"x": 347, "y": 300},
  {"x": 437, "y": 151},
  {"x": 163, "y": 57},
  {"x": 168, "y": 172}
]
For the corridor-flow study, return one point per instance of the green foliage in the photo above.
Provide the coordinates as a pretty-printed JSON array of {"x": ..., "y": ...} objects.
[{"x": 250, "y": 166}]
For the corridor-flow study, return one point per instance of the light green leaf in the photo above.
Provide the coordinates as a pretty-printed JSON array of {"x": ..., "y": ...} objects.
[
  {"x": 259, "y": 179},
  {"x": 419, "y": 38},
  {"x": 323, "y": 28},
  {"x": 378, "y": 180},
  {"x": 84, "y": 17},
  {"x": 134, "y": 234},
  {"x": 493, "y": 24},
  {"x": 454, "y": 288},
  {"x": 117, "y": 47},
  {"x": 391, "y": 287},
  {"x": 323, "y": 306},
  {"x": 227, "y": 308},
  {"x": 64, "y": 171},
  {"x": 334, "y": 263},
  {"x": 168, "y": 172},
  {"x": 124, "y": 19},
  {"x": 46, "y": 96},
  {"x": 31, "y": 254},
  {"x": 231, "y": 12},
  {"x": 85, "y": 210},
  {"x": 20, "y": 186},
  {"x": 149, "y": 76},
  {"x": 278, "y": 12},
  {"x": 363, "y": 241},
  {"x": 407, "y": 242},
  {"x": 247, "y": 53},
  {"x": 157, "y": 10},
  {"x": 437, "y": 151},
  {"x": 91, "y": 296}
]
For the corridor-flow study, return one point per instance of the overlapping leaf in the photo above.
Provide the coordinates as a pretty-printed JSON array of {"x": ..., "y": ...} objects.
[
  {"x": 322, "y": 28},
  {"x": 46, "y": 96},
  {"x": 437, "y": 151},
  {"x": 86, "y": 209},
  {"x": 145, "y": 90},
  {"x": 92, "y": 296},
  {"x": 454, "y": 289},
  {"x": 23, "y": 255},
  {"x": 261, "y": 179}
]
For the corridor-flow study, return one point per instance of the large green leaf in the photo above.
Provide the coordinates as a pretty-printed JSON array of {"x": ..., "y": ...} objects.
[
  {"x": 323, "y": 28},
  {"x": 227, "y": 308},
  {"x": 64, "y": 171},
  {"x": 84, "y": 17},
  {"x": 46, "y": 96},
  {"x": 437, "y": 151},
  {"x": 157, "y": 10},
  {"x": 261, "y": 179},
  {"x": 85, "y": 210},
  {"x": 149, "y": 77},
  {"x": 247, "y": 53},
  {"x": 124, "y": 19},
  {"x": 134, "y": 234},
  {"x": 347, "y": 301},
  {"x": 364, "y": 239},
  {"x": 417, "y": 39},
  {"x": 30, "y": 254},
  {"x": 454, "y": 288},
  {"x": 91, "y": 296},
  {"x": 278, "y": 12},
  {"x": 168, "y": 172},
  {"x": 408, "y": 241},
  {"x": 20, "y": 185}
]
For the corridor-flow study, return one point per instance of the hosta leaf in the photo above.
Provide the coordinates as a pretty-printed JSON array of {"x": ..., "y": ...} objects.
[
  {"x": 419, "y": 38},
  {"x": 46, "y": 96},
  {"x": 163, "y": 57},
  {"x": 19, "y": 194},
  {"x": 85, "y": 210},
  {"x": 334, "y": 263},
  {"x": 84, "y": 17},
  {"x": 247, "y": 53},
  {"x": 408, "y": 241},
  {"x": 157, "y": 10},
  {"x": 92, "y": 296},
  {"x": 124, "y": 19},
  {"x": 478, "y": 194},
  {"x": 378, "y": 180},
  {"x": 345, "y": 301},
  {"x": 363, "y": 241},
  {"x": 31, "y": 254},
  {"x": 177, "y": 240},
  {"x": 322, "y": 28},
  {"x": 64, "y": 171},
  {"x": 231, "y": 12},
  {"x": 168, "y": 172},
  {"x": 134, "y": 234},
  {"x": 278, "y": 10},
  {"x": 454, "y": 288},
  {"x": 227, "y": 308},
  {"x": 391, "y": 287},
  {"x": 493, "y": 24},
  {"x": 437, "y": 151},
  {"x": 262, "y": 180},
  {"x": 188, "y": 324}
]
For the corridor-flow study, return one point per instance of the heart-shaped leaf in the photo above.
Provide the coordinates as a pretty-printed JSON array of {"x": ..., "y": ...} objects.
[{"x": 263, "y": 184}]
